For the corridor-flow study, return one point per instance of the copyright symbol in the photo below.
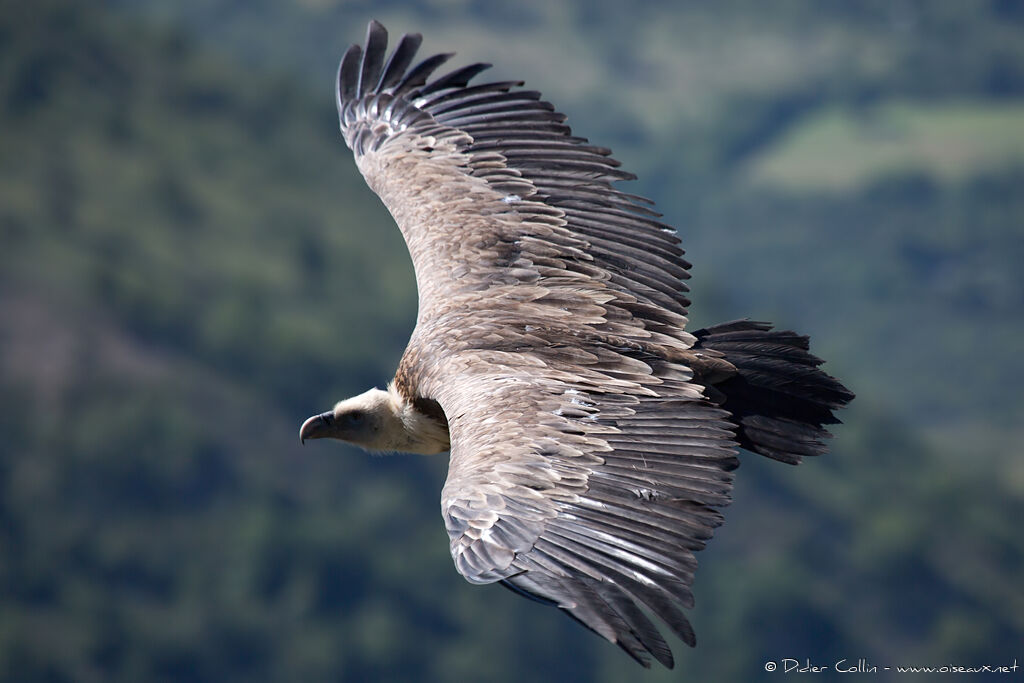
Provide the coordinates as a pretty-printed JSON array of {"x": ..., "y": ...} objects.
[{"x": 769, "y": 666}]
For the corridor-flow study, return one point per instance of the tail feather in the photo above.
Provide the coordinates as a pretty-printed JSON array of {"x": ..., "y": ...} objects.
[{"x": 779, "y": 398}]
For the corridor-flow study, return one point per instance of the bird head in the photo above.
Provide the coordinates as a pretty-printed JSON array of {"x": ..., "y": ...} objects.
[
  {"x": 378, "y": 420},
  {"x": 364, "y": 420}
]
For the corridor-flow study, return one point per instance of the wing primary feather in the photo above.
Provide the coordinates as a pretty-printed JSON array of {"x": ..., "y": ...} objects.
[
  {"x": 613, "y": 606},
  {"x": 499, "y": 141},
  {"x": 503, "y": 126},
  {"x": 470, "y": 92},
  {"x": 582, "y": 600},
  {"x": 456, "y": 79},
  {"x": 348, "y": 75},
  {"x": 373, "y": 58},
  {"x": 517, "y": 118},
  {"x": 478, "y": 102},
  {"x": 421, "y": 72},
  {"x": 640, "y": 626},
  {"x": 400, "y": 60}
]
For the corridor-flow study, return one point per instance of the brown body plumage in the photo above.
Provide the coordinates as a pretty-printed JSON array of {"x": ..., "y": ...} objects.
[{"x": 592, "y": 437}]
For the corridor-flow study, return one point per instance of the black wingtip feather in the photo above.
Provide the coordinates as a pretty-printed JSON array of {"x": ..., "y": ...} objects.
[
  {"x": 421, "y": 72},
  {"x": 459, "y": 78},
  {"x": 348, "y": 75},
  {"x": 373, "y": 57},
  {"x": 400, "y": 60}
]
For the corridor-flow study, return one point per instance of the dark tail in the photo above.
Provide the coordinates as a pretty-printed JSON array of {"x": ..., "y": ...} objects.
[{"x": 778, "y": 397}]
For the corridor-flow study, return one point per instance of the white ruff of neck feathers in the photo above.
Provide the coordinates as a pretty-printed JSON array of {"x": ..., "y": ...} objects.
[{"x": 413, "y": 431}]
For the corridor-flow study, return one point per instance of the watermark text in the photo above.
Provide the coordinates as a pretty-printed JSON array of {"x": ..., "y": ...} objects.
[{"x": 792, "y": 665}]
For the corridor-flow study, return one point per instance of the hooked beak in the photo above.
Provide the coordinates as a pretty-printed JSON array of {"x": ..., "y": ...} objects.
[{"x": 317, "y": 427}]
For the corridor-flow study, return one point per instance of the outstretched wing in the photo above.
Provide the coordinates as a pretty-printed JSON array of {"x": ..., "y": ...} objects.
[
  {"x": 586, "y": 466},
  {"x": 587, "y": 477}
]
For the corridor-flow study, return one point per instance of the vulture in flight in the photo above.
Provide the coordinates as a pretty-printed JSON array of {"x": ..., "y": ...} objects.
[{"x": 592, "y": 438}]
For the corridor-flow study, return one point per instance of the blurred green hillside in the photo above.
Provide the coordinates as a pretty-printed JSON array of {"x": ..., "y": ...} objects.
[{"x": 191, "y": 265}]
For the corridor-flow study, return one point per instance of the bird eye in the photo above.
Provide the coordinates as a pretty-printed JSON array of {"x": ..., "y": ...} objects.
[{"x": 355, "y": 417}]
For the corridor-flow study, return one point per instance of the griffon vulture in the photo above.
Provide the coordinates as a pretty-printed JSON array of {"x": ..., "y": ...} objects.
[{"x": 592, "y": 438}]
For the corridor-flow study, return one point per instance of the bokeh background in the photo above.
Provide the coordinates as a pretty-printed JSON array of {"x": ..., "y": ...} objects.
[{"x": 190, "y": 265}]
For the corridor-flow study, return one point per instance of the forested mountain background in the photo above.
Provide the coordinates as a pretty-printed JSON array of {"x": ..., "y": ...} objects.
[{"x": 191, "y": 265}]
